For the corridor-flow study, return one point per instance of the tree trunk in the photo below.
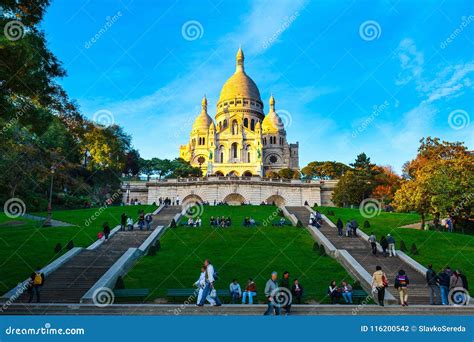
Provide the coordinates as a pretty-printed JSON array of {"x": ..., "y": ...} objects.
[{"x": 422, "y": 220}]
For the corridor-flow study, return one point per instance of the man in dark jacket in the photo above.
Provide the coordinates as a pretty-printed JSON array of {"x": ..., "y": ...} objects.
[
  {"x": 123, "y": 221},
  {"x": 36, "y": 283},
  {"x": 443, "y": 280},
  {"x": 106, "y": 230},
  {"x": 285, "y": 283},
  {"x": 297, "y": 291},
  {"x": 339, "y": 226},
  {"x": 432, "y": 282}
]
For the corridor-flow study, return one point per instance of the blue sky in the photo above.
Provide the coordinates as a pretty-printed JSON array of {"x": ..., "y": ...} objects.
[{"x": 347, "y": 76}]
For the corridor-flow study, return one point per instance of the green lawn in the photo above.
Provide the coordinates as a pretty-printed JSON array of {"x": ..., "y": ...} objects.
[
  {"x": 236, "y": 252},
  {"x": 437, "y": 248},
  {"x": 23, "y": 247}
]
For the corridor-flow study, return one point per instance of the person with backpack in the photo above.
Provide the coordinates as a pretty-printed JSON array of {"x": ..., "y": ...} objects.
[
  {"x": 36, "y": 283},
  {"x": 209, "y": 289},
  {"x": 148, "y": 220},
  {"x": 123, "y": 221},
  {"x": 348, "y": 229},
  {"x": 106, "y": 230},
  {"x": 391, "y": 245},
  {"x": 379, "y": 283},
  {"x": 354, "y": 226},
  {"x": 432, "y": 283},
  {"x": 401, "y": 284},
  {"x": 373, "y": 243}
]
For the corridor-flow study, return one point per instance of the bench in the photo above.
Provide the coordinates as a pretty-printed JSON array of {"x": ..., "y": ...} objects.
[
  {"x": 131, "y": 293},
  {"x": 175, "y": 293},
  {"x": 359, "y": 295}
]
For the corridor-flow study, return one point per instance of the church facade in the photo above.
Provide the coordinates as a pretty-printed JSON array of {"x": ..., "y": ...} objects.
[{"x": 242, "y": 140}]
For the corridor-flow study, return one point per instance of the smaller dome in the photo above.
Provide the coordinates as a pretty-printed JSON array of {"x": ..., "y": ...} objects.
[
  {"x": 272, "y": 124},
  {"x": 203, "y": 120}
]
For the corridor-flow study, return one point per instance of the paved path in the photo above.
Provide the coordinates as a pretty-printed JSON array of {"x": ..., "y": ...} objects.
[
  {"x": 54, "y": 223},
  {"x": 229, "y": 309},
  {"x": 360, "y": 251},
  {"x": 73, "y": 279}
]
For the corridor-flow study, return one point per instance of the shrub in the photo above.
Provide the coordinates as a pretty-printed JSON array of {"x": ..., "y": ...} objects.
[
  {"x": 158, "y": 245},
  {"x": 70, "y": 245},
  {"x": 366, "y": 224},
  {"x": 58, "y": 248},
  {"x": 414, "y": 249},
  {"x": 152, "y": 250},
  {"x": 403, "y": 247},
  {"x": 315, "y": 247},
  {"x": 330, "y": 213},
  {"x": 173, "y": 224},
  {"x": 356, "y": 285},
  {"x": 322, "y": 251},
  {"x": 299, "y": 224},
  {"x": 119, "y": 284}
]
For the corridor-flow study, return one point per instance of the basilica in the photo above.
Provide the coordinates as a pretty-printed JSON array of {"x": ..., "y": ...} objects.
[{"x": 242, "y": 140}]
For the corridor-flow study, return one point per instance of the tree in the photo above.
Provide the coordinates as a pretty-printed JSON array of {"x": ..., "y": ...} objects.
[
  {"x": 325, "y": 170},
  {"x": 351, "y": 189},
  {"x": 289, "y": 174},
  {"x": 162, "y": 167},
  {"x": 440, "y": 181}
]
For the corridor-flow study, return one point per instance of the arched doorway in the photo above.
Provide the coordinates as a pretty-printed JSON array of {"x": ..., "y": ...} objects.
[
  {"x": 219, "y": 174},
  {"x": 234, "y": 199},
  {"x": 193, "y": 206},
  {"x": 247, "y": 174},
  {"x": 192, "y": 198},
  {"x": 277, "y": 199},
  {"x": 233, "y": 174}
]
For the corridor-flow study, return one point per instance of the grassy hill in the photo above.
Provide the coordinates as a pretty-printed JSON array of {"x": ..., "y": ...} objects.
[
  {"x": 24, "y": 244},
  {"x": 437, "y": 248},
  {"x": 236, "y": 252}
]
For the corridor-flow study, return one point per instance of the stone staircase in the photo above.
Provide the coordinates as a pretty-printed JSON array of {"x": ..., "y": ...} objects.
[
  {"x": 361, "y": 252},
  {"x": 73, "y": 279}
]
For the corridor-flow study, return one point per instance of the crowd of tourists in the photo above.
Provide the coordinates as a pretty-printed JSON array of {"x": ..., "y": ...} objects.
[
  {"x": 351, "y": 228},
  {"x": 223, "y": 222}
]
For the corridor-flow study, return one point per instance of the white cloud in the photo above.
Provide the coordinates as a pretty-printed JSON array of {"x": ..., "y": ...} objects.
[{"x": 411, "y": 62}]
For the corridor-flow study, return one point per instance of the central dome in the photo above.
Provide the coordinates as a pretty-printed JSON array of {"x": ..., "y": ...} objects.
[{"x": 239, "y": 85}]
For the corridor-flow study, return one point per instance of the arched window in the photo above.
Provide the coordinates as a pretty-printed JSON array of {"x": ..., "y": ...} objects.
[
  {"x": 246, "y": 122},
  {"x": 233, "y": 151},
  {"x": 225, "y": 124},
  {"x": 235, "y": 127},
  {"x": 221, "y": 154},
  {"x": 204, "y": 141},
  {"x": 248, "y": 157},
  {"x": 220, "y": 126},
  {"x": 252, "y": 125}
]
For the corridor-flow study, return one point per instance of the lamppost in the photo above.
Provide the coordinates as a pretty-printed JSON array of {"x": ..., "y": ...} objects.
[
  {"x": 47, "y": 223},
  {"x": 128, "y": 192}
]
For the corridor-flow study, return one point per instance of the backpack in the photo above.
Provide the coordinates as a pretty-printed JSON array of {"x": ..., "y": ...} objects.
[{"x": 38, "y": 279}]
